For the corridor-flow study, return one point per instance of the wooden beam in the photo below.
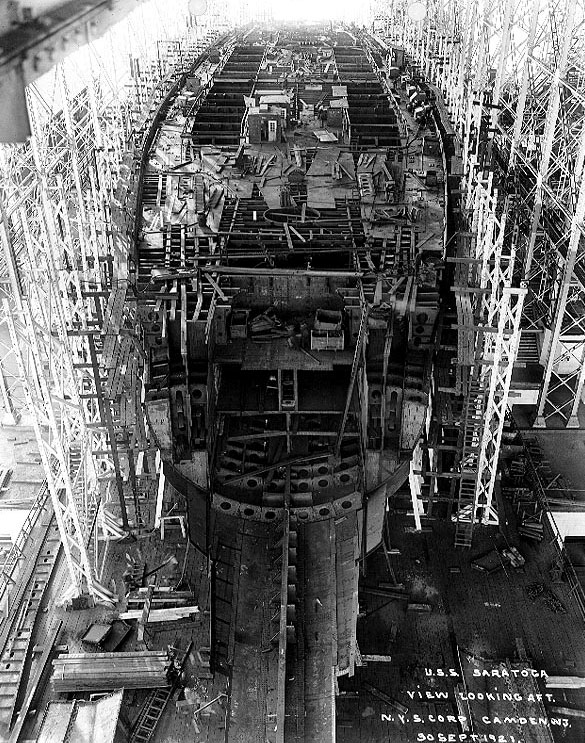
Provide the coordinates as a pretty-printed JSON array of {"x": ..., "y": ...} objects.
[
  {"x": 216, "y": 286},
  {"x": 374, "y": 658},
  {"x": 145, "y": 612},
  {"x": 291, "y": 247},
  {"x": 162, "y": 615},
  {"x": 298, "y": 234}
]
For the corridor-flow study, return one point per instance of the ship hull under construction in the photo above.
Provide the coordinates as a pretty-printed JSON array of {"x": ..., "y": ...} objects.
[{"x": 317, "y": 539}]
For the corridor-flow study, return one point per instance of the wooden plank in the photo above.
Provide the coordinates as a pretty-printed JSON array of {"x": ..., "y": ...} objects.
[
  {"x": 291, "y": 247},
  {"x": 267, "y": 164},
  {"x": 298, "y": 234},
  {"x": 145, "y": 612},
  {"x": 569, "y": 711},
  {"x": 163, "y": 615},
  {"x": 374, "y": 658},
  {"x": 565, "y": 682}
]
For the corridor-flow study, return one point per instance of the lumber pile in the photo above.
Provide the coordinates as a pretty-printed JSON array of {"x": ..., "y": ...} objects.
[{"x": 78, "y": 672}]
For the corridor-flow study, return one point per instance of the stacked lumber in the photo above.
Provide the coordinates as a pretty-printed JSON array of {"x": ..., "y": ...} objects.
[
  {"x": 77, "y": 672},
  {"x": 163, "y": 598}
]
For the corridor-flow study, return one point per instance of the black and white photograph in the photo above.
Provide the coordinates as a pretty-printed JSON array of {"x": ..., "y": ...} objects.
[{"x": 292, "y": 371}]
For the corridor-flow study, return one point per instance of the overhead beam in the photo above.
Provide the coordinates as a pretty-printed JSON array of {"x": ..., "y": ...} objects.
[
  {"x": 253, "y": 271},
  {"x": 31, "y": 49}
]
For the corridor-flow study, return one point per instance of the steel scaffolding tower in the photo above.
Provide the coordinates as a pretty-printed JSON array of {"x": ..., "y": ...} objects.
[
  {"x": 512, "y": 76},
  {"x": 70, "y": 361},
  {"x": 519, "y": 67}
]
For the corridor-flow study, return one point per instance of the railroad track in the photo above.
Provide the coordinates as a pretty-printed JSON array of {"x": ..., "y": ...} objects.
[{"x": 17, "y": 630}]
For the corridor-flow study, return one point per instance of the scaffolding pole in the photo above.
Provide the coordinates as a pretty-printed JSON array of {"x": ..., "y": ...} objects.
[{"x": 70, "y": 363}]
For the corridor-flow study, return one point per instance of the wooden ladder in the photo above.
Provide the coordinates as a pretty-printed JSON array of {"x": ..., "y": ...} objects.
[
  {"x": 154, "y": 706},
  {"x": 150, "y": 715}
]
